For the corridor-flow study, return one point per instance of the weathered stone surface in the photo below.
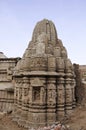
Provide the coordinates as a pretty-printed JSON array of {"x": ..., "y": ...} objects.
[
  {"x": 80, "y": 91},
  {"x": 6, "y": 86},
  {"x": 44, "y": 79}
]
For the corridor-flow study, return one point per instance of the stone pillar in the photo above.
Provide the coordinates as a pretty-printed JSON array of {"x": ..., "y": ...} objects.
[
  {"x": 30, "y": 94},
  {"x": 15, "y": 98},
  {"x": 20, "y": 93},
  {"x": 25, "y": 95},
  {"x": 73, "y": 83},
  {"x": 51, "y": 100},
  {"x": 15, "y": 93},
  {"x": 68, "y": 96},
  {"x": 23, "y": 101},
  {"x": 60, "y": 98}
]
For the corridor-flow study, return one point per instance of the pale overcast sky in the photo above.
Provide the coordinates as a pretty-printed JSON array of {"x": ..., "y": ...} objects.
[{"x": 19, "y": 17}]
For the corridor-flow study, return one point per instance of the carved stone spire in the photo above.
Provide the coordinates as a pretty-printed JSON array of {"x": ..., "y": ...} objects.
[{"x": 46, "y": 73}]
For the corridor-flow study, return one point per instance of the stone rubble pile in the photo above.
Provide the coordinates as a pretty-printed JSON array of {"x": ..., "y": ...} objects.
[{"x": 56, "y": 126}]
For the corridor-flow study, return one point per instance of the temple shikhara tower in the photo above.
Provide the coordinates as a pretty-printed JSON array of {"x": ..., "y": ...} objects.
[{"x": 44, "y": 79}]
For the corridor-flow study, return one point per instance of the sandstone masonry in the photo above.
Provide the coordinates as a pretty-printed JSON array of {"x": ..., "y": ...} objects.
[
  {"x": 6, "y": 86},
  {"x": 44, "y": 79}
]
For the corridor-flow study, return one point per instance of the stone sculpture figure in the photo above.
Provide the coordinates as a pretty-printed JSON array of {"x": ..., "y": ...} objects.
[
  {"x": 51, "y": 97},
  {"x": 43, "y": 95}
]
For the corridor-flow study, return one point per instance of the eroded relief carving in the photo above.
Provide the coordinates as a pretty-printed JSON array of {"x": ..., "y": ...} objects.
[
  {"x": 51, "y": 96},
  {"x": 43, "y": 95},
  {"x": 68, "y": 93},
  {"x": 26, "y": 96},
  {"x": 41, "y": 41},
  {"x": 61, "y": 94}
]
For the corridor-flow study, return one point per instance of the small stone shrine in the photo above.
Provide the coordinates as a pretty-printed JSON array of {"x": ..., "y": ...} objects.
[{"x": 44, "y": 79}]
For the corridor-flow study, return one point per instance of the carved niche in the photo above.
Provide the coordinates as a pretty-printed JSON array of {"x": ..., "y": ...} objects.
[{"x": 36, "y": 90}]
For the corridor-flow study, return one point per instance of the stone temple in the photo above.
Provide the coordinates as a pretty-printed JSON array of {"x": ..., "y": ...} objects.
[{"x": 44, "y": 79}]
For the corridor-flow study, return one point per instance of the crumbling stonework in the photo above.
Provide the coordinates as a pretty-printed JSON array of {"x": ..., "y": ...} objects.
[
  {"x": 44, "y": 79},
  {"x": 6, "y": 86},
  {"x": 82, "y": 71},
  {"x": 80, "y": 89}
]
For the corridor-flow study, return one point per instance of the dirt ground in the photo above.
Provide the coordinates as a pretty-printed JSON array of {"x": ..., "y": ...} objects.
[
  {"x": 76, "y": 121},
  {"x": 7, "y": 124}
]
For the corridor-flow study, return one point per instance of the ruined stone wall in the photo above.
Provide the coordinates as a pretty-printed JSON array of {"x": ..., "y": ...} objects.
[
  {"x": 80, "y": 86},
  {"x": 6, "y": 86},
  {"x": 82, "y": 69},
  {"x": 6, "y": 100}
]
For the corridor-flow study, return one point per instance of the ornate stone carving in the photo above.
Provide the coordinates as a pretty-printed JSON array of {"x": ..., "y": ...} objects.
[
  {"x": 43, "y": 95},
  {"x": 36, "y": 82},
  {"x": 51, "y": 94},
  {"x": 61, "y": 94},
  {"x": 51, "y": 97},
  {"x": 47, "y": 78}
]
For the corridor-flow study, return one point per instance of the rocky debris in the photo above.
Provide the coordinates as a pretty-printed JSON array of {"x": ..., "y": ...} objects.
[
  {"x": 55, "y": 126},
  {"x": 7, "y": 124}
]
